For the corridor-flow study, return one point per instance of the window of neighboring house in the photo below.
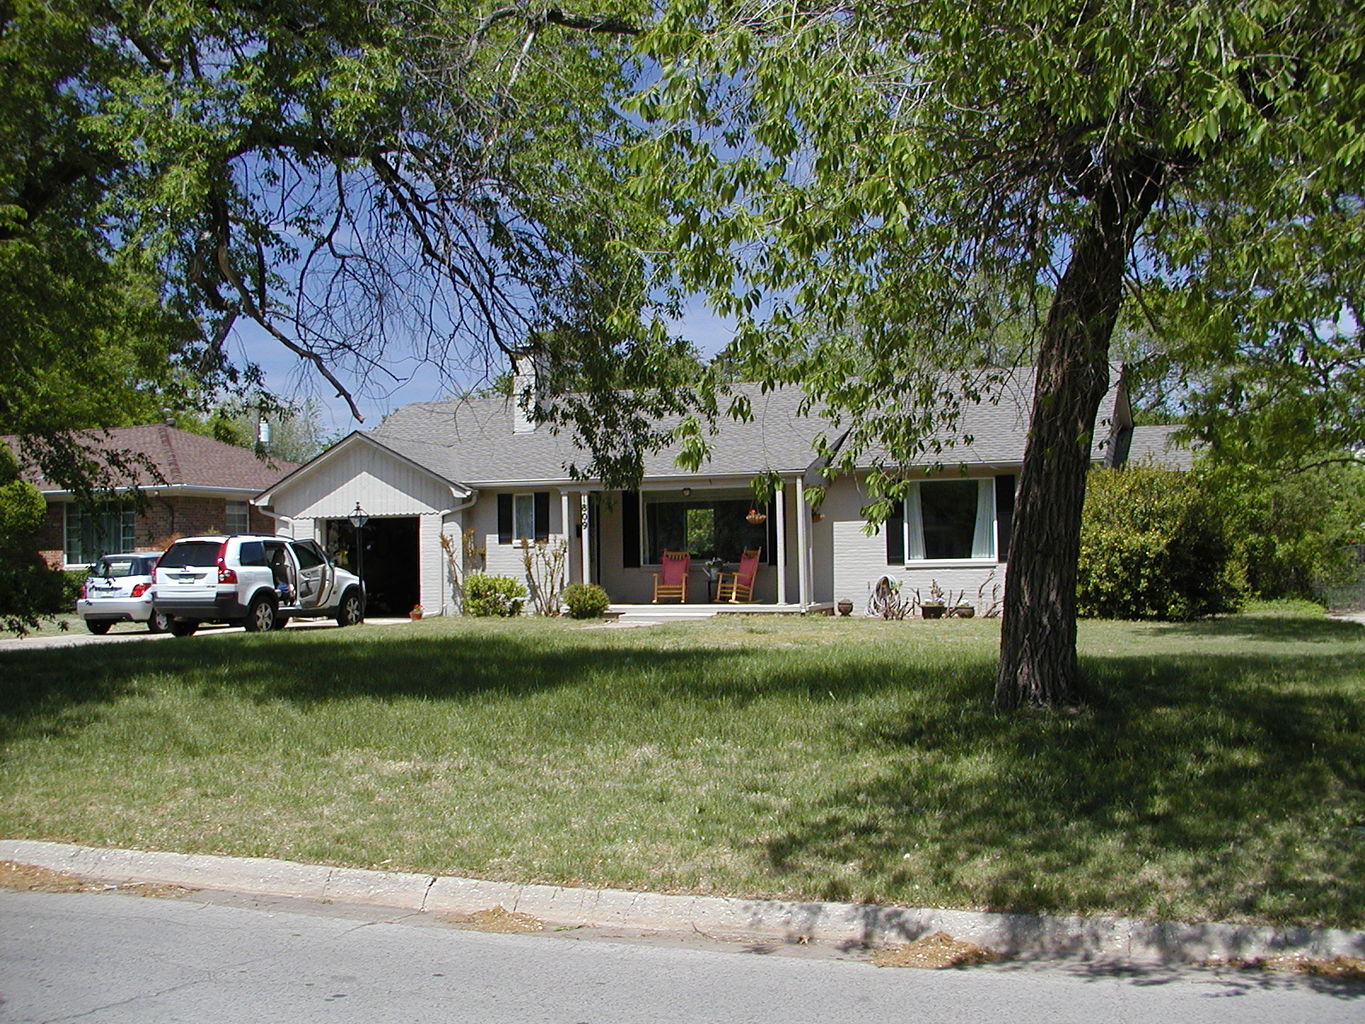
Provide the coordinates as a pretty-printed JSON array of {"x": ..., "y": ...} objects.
[
  {"x": 107, "y": 530},
  {"x": 705, "y": 528},
  {"x": 949, "y": 520},
  {"x": 238, "y": 517}
]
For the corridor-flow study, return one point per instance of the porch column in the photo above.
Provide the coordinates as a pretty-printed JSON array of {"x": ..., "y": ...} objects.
[
  {"x": 584, "y": 516},
  {"x": 780, "y": 511},
  {"x": 803, "y": 543},
  {"x": 568, "y": 534}
]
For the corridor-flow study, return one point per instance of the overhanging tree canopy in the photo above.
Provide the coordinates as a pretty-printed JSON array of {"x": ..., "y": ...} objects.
[
  {"x": 355, "y": 176},
  {"x": 920, "y": 174}
]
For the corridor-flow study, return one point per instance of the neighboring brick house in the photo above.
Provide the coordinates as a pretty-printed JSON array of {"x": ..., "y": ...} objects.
[{"x": 205, "y": 486}]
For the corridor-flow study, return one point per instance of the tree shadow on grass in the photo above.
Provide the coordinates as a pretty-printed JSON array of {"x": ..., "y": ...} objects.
[
  {"x": 1215, "y": 788},
  {"x": 1277, "y": 628},
  {"x": 67, "y": 685}
]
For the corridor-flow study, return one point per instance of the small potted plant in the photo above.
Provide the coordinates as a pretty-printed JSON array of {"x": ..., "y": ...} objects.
[
  {"x": 935, "y": 607},
  {"x": 845, "y": 607},
  {"x": 416, "y": 612}
]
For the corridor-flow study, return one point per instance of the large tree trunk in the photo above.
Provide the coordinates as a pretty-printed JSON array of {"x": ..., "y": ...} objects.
[{"x": 1038, "y": 636}]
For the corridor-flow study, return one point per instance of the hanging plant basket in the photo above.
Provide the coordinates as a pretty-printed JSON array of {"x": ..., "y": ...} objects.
[{"x": 756, "y": 517}]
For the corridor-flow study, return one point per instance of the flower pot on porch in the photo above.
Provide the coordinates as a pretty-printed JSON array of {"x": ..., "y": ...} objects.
[
  {"x": 964, "y": 611},
  {"x": 932, "y": 611},
  {"x": 416, "y": 613},
  {"x": 845, "y": 607}
]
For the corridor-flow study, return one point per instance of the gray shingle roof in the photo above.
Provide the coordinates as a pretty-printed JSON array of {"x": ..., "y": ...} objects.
[
  {"x": 1157, "y": 446},
  {"x": 472, "y": 441},
  {"x": 998, "y": 425}
]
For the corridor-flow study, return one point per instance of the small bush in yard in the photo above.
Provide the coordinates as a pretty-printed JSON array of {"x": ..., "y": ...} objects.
[
  {"x": 1154, "y": 545},
  {"x": 585, "y": 600},
  {"x": 493, "y": 595}
]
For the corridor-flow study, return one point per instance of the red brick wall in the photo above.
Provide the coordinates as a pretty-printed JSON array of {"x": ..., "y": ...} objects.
[
  {"x": 163, "y": 521},
  {"x": 53, "y": 535}
]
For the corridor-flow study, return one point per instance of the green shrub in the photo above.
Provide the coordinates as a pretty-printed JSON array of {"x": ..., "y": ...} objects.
[
  {"x": 585, "y": 600},
  {"x": 1154, "y": 545},
  {"x": 493, "y": 595},
  {"x": 72, "y": 579},
  {"x": 28, "y": 586}
]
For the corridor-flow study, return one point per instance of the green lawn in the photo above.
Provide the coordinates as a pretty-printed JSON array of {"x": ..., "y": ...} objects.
[{"x": 1217, "y": 770}]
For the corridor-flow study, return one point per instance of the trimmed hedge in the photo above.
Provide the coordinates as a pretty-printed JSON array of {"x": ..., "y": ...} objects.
[{"x": 1154, "y": 545}]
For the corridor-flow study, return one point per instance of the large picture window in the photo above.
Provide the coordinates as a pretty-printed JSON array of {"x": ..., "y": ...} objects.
[
  {"x": 948, "y": 520},
  {"x": 704, "y": 527},
  {"x": 109, "y": 530}
]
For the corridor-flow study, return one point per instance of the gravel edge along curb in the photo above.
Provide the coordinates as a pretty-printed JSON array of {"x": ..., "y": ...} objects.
[{"x": 1084, "y": 938}]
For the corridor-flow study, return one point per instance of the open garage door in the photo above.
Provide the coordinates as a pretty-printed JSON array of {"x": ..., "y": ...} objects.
[{"x": 392, "y": 584}]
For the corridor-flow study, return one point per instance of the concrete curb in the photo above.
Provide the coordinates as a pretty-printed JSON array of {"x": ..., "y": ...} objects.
[{"x": 1084, "y": 938}]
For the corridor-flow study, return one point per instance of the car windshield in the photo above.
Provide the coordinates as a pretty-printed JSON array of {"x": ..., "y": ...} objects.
[{"x": 190, "y": 553}]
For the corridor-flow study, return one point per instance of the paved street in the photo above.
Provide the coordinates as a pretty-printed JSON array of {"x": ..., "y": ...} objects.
[{"x": 109, "y": 957}]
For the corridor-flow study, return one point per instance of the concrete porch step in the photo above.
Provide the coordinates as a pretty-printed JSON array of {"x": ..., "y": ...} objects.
[{"x": 657, "y": 612}]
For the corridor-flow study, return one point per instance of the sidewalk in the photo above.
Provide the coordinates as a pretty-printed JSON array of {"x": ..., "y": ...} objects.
[{"x": 1075, "y": 938}]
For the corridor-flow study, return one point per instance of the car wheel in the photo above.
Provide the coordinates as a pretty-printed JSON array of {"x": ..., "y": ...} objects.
[
  {"x": 98, "y": 628},
  {"x": 159, "y": 622},
  {"x": 260, "y": 615},
  {"x": 351, "y": 611},
  {"x": 182, "y": 627}
]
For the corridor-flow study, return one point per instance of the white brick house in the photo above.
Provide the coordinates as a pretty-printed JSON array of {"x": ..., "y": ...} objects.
[{"x": 435, "y": 469}]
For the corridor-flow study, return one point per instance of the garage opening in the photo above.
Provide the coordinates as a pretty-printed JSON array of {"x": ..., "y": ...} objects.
[{"x": 392, "y": 583}]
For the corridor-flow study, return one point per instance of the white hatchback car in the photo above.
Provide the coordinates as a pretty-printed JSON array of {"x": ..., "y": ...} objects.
[
  {"x": 119, "y": 589},
  {"x": 259, "y": 582}
]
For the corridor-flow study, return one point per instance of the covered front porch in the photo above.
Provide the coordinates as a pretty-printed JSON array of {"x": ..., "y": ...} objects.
[{"x": 623, "y": 535}]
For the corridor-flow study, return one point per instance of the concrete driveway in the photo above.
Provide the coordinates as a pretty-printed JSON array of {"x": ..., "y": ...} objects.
[{"x": 129, "y": 632}]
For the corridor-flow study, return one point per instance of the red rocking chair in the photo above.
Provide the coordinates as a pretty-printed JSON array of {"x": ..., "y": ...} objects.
[
  {"x": 739, "y": 586},
  {"x": 672, "y": 581}
]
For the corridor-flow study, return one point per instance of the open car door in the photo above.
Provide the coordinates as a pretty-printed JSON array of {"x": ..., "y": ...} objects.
[{"x": 317, "y": 577}]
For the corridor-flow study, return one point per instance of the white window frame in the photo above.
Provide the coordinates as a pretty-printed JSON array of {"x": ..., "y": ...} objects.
[
  {"x": 985, "y": 542},
  {"x": 527, "y": 502}
]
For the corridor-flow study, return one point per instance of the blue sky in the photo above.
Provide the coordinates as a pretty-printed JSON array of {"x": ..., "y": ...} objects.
[{"x": 288, "y": 376}]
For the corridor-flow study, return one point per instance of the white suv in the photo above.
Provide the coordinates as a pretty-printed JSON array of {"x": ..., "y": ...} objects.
[{"x": 258, "y": 582}]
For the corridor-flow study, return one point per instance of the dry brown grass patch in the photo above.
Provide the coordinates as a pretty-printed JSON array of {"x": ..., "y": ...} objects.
[
  {"x": 496, "y": 919},
  {"x": 934, "y": 952},
  {"x": 31, "y": 878},
  {"x": 1340, "y": 968}
]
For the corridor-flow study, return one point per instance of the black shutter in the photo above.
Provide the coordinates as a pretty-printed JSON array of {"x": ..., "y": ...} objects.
[
  {"x": 504, "y": 519},
  {"x": 630, "y": 529},
  {"x": 1004, "y": 515},
  {"x": 772, "y": 539},
  {"x": 542, "y": 514},
  {"x": 895, "y": 535}
]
